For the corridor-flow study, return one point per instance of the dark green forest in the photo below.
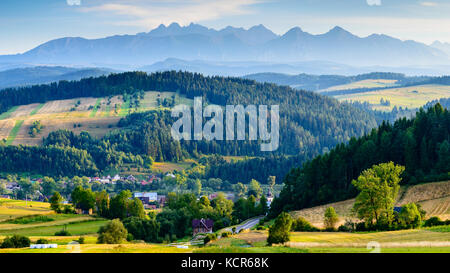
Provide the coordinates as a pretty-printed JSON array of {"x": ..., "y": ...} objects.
[
  {"x": 421, "y": 144},
  {"x": 310, "y": 124}
]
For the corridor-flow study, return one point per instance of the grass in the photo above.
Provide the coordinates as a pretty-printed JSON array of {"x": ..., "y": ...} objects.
[
  {"x": 411, "y": 97},
  {"x": 96, "y": 107},
  {"x": 35, "y": 110},
  {"x": 371, "y": 83},
  {"x": 11, "y": 209},
  {"x": 170, "y": 166},
  {"x": 107, "y": 111},
  {"x": 8, "y": 113},
  {"x": 79, "y": 228},
  {"x": 14, "y": 131}
]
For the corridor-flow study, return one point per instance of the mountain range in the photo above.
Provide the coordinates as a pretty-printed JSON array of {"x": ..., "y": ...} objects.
[
  {"x": 256, "y": 44},
  {"x": 46, "y": 74}
]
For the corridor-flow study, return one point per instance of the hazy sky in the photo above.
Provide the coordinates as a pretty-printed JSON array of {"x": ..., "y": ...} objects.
[{"x": 25, "y": 24}]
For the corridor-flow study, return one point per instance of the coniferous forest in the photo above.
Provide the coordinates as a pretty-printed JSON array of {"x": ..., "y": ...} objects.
[{"x": 421, "y": 144}]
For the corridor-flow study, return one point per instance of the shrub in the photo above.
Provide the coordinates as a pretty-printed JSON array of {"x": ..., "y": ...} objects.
[
  {"x": 112, "y": 233},
  {"x": 42, "y": 241},
  {"x": 433, "y": 221},
  {"x": 301, "y": 224},
  {"x": 209, "y": 237},
  {"x": 16, "y": 241},
  {"x": 279, "y": 231},
  {"x": 344, "y": 228},
  {"x": 409, "y": 216},
  {"x": 63, "y": 232},
  {"x": 68, "y": 209},
  {"x": 81, "y": 240},
  {"x": 226, "y": 234},
  {"x": 330, "y": 219}
]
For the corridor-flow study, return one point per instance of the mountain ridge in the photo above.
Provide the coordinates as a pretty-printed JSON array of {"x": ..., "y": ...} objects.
[{"x": 197, "y": 42}]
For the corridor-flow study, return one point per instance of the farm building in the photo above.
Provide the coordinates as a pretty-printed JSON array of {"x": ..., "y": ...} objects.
[
  {"x": 146, "y": 197},
  {"x": 202, "y": 226}
]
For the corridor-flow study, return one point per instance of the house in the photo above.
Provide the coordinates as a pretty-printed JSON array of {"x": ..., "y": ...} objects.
[
  {"x": 83, "y": 211},
  {"x": 115, "y": 178},
  {"x": 153, "y": 207},
  {"x": 146, "y": 197},
  {"x": 5, "y": 196},
  {"x": 161, "y": 200},
  {"x": 131, "y": 178},
  {"x": 212, "y": 196},
  {"x": 202, "y": 226},
  {"x": 171, "y": 175}
]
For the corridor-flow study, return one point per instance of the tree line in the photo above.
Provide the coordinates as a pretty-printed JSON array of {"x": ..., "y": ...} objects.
[{"x": 421, "y": 144}]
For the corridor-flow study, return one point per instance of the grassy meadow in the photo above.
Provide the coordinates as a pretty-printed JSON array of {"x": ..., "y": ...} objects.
[
  {"x": 98, "y": 116},
  {"x": 411, "y": 97}
]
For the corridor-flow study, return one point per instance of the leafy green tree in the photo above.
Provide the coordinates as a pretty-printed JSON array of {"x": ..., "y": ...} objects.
[
  {"x": 83, "y": 198},
  {"x": 136, "y": 208},
  {"x": 254, "y": 189},
  {"x": 330, "y": 218},
  {"x": 271, "y": 180},
  {"x": 410, "y": 216},
  {"x": 240, "y": 189},
  {"x": 56, "y": 202},
  {"x": 263, "y": 207},
  {"x": 279, "y": 231},
  {"x": 301, "y": 224},
  {"x": 112, "y": 233},
  {"x": 16, "y": 241},
  {"x": 48, "y": 186},
  {"x": 102, "y": 203},
  {"x": 118, "y": 207},
  {"x": 378, "y": 188},
  {"x": 143, "y": 229},
  {"x": 197, "y": 187}
]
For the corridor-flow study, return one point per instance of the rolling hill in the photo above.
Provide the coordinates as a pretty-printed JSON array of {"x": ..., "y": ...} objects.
[{"x": 433, "y": 197}]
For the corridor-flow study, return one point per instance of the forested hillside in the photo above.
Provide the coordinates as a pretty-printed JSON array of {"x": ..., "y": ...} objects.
[
  {"x": 309, "y": 123},
  {"x": 421, "y": 144}
]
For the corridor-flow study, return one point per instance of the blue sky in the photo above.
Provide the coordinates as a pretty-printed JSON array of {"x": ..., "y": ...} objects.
[{"x": 25, "y": 24}]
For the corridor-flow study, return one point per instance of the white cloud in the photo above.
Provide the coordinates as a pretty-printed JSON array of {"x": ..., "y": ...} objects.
[
  {"x": 73, "y": 2},
  {"x": 150, "y": 14},
  {"x": 429, "y": 4},
  {"x": 374, "y": 2}
]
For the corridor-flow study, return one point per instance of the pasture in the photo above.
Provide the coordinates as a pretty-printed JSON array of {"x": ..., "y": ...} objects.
[
  {"x": 411, "y": 97},
  {"x": 98, "y": 116},
  {"x": 370, "y": 83}
]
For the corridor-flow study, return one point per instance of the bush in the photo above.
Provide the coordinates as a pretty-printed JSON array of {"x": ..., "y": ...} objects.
[
  {"x": 226, "y": 234},
  {"x": 344, "y": 228},
  {"x": 42, "y": 241},
  {"x": 112, "y": 233},
  {"x": 81, "y": 240},
  {"x": 330, "y": 219},
  {"x": 433, "y": 221},
  {"x": 63, "y": 232},
  {"x": 68, "y": 209},
  {"x": 410, "y": 216},
  {"x": 301, "y": 224},
  {"x": 209, "y": 237},
  {"x": 16, "y": 241},
  {"x": 279, "y": 231}
]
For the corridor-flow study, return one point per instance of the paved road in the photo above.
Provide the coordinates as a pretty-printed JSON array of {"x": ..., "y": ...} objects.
[{"x": 247, "y": 225}]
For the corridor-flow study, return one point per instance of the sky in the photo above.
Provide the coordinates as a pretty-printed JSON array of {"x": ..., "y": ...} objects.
[{"x": 24, "y": 24}]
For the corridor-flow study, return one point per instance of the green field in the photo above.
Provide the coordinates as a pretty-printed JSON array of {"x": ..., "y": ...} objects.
[
  {"x": 35, "y": 110},
  {"x": 8, "y": 113},
  {"x": 371, "y": 83},
  {"x": 96, "y": 107},
  {"x": 411, "y": 97},
  {"x": 78, "y": 228},
  {"x": 14, "y": 132}
]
